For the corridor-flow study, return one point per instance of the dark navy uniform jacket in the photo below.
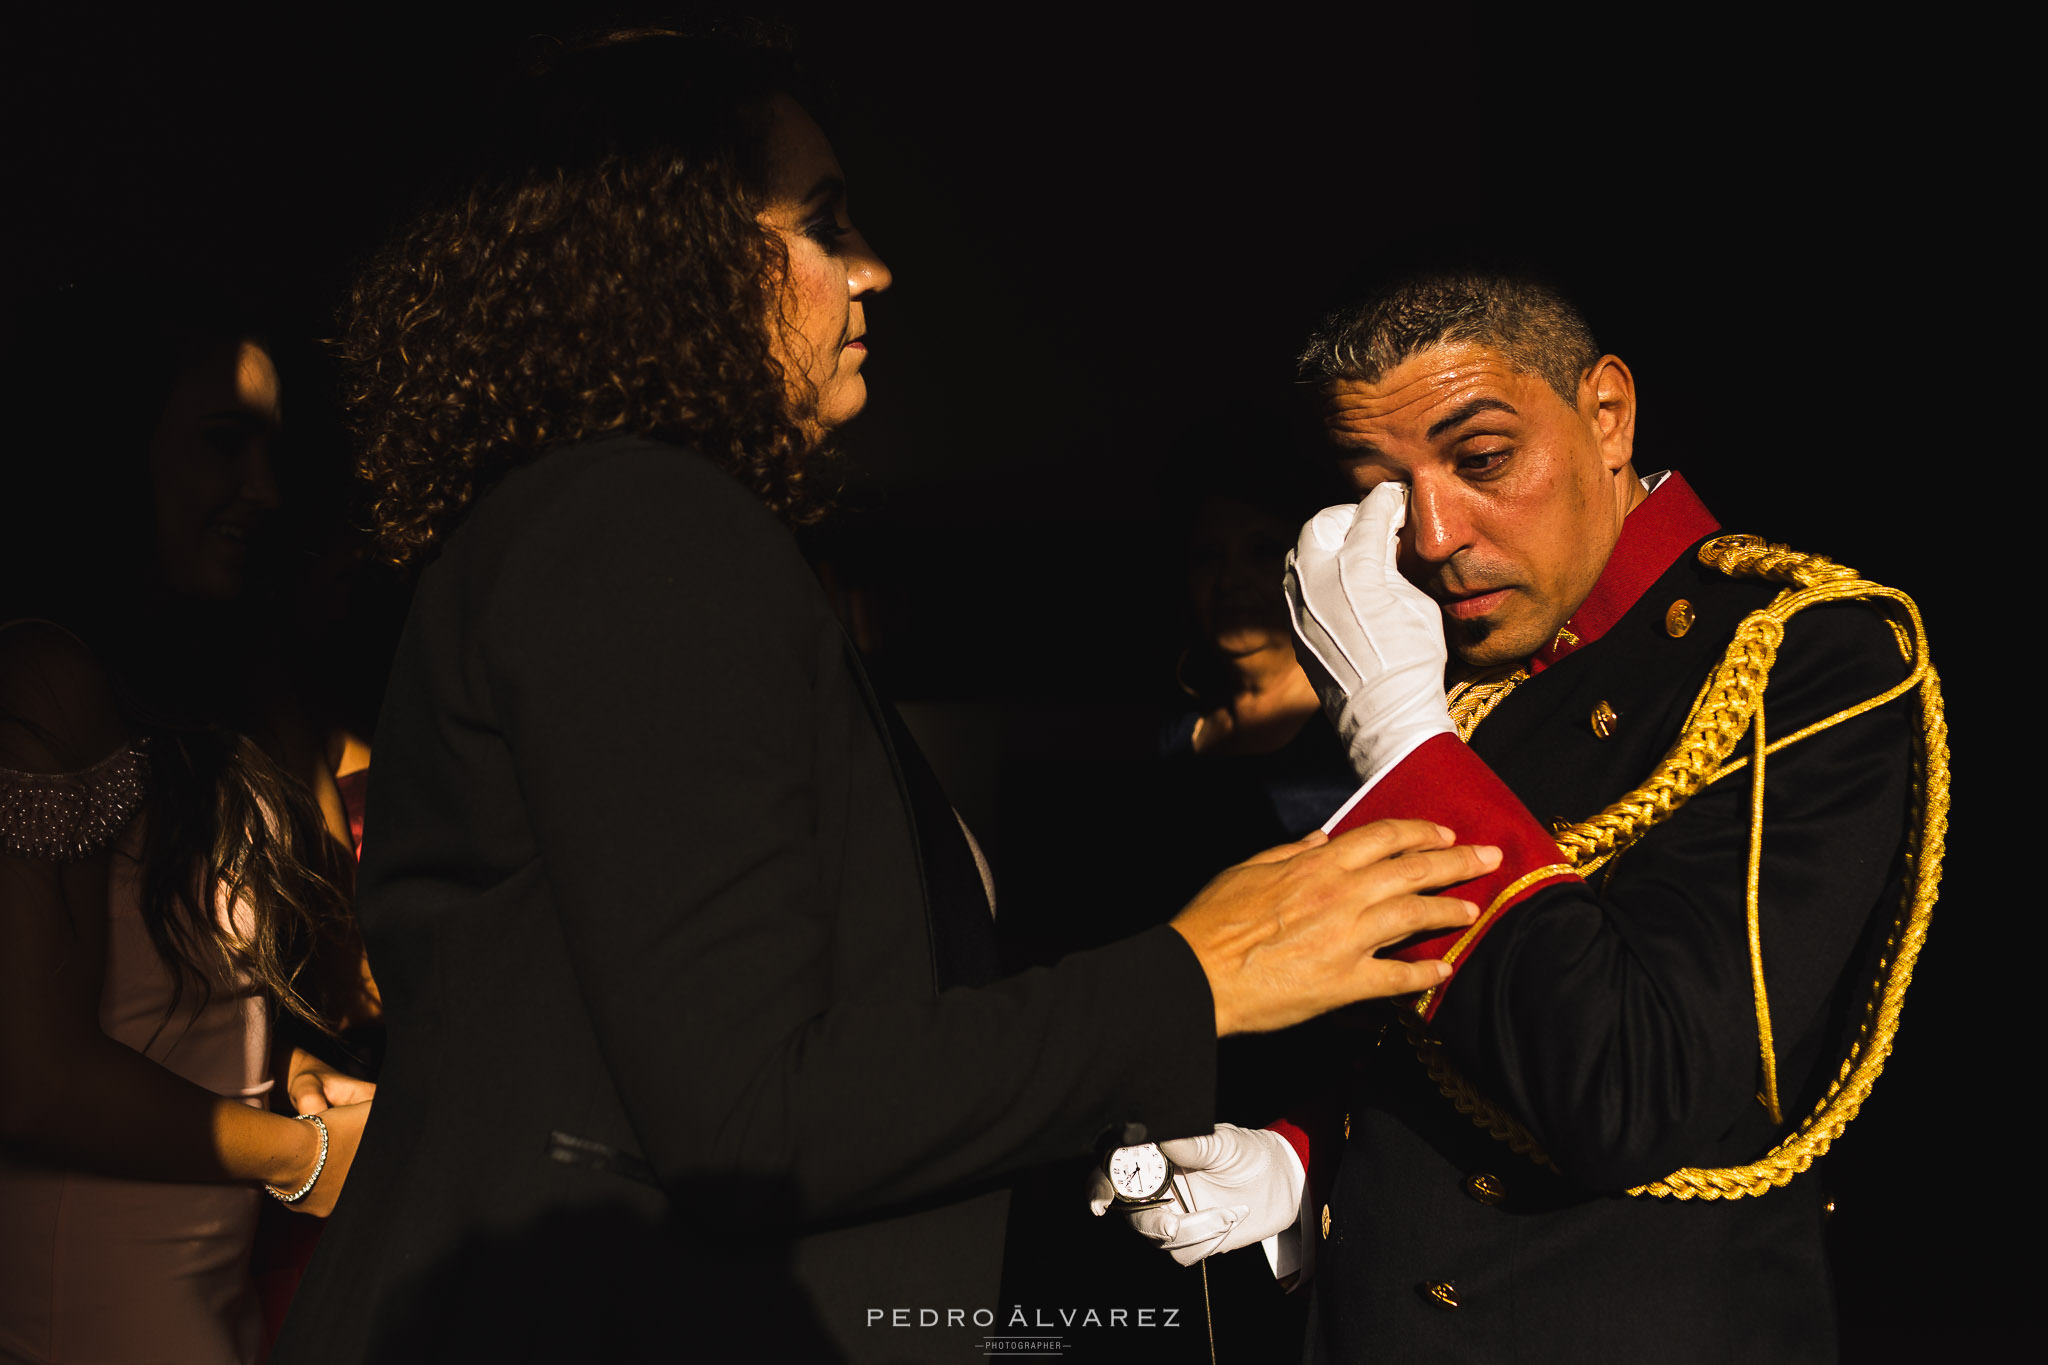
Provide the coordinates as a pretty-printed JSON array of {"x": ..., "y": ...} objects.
[{"x": 1615, "y": 1018}]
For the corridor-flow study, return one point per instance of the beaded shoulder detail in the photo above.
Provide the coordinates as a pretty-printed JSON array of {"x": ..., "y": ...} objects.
[{"x": 66, "y": 817}]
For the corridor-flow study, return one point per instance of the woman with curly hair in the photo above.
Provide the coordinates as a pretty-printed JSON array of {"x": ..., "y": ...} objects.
[
  {"x": 695, "y": 1024},
  {"x": 170, "y": 883}
]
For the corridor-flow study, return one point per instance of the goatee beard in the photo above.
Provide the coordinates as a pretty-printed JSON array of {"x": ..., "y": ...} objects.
[{"x": 1466, "y": 634}]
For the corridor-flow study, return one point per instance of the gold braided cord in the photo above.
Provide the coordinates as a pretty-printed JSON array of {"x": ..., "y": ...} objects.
[
  {"x": 1767, "y": 1046},
  {"x": 1472, "y": 1104},
  {"x": 1730, "y": 706},
  {"x": 1911, "y": 681},
  {"x": 1473, "y": 700}
]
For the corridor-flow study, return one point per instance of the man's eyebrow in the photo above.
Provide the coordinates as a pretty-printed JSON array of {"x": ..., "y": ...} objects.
[
  {"x": 1357, "y": 450},
  {"x": 1468, "y": 410}
]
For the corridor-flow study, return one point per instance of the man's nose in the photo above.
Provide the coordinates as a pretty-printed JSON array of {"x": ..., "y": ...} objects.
[{"x": 1437, "y": 526}]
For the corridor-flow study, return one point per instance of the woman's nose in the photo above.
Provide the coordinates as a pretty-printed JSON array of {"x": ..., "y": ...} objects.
[
  {"x": 259, "y": 479},
  {"x": 868, "y": 273}
]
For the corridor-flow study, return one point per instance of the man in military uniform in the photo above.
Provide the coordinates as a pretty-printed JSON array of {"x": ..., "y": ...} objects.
[{"x": 1588, "y": 1143}]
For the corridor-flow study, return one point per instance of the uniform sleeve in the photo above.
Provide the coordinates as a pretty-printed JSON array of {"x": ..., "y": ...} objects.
[
  {"x": 654, "y": 657},
  {"x": 1616, "y": 1018}
]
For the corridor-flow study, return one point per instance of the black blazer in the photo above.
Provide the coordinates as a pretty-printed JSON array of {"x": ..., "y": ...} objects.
[
  {"x": 693, "y": 1031},
  {"x": 1615, "y": 1019}
]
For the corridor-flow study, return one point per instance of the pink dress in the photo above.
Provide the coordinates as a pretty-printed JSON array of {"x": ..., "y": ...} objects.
[{"x": 103, "y": 1270}]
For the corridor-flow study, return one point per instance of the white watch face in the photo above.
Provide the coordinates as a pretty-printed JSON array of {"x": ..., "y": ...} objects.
[{"x": 1138, "y": 1172}]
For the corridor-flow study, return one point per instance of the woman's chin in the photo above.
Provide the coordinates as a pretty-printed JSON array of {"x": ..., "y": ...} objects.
[{"x": 843, "y": 403}]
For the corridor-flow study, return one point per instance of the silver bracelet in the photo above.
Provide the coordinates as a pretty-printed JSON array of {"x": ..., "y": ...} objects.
[{"x": 302, "y": 1191}]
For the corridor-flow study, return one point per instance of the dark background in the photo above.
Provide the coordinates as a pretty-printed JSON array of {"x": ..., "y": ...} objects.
[{"x": 1109, "y": 236}]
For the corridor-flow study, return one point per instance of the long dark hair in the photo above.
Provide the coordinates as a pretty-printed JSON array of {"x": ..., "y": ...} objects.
[
  {"x": 91, "y": 369},
  {"x": 599, "y": 270}
]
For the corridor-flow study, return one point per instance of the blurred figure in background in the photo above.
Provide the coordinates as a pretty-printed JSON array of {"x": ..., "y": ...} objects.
[
  {"x": 174, "y": 871},
  {"x": 1266, "y": 767},
  {"x": 1243, "y": 760}
]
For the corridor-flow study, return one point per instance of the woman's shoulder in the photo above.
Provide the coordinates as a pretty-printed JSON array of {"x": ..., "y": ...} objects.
[
  {"x": 58, "y": 710},
  {"x": 626, "y": 524},
  {"x": 633, "y": 476},
  {"x": 589, "y": 498}
]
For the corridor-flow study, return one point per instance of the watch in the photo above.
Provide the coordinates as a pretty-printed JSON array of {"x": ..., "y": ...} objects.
[{"x": 1140, "y": 1177}]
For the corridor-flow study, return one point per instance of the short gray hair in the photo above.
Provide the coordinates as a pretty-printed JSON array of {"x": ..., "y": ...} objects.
[{"x": 1536, "y": 328}]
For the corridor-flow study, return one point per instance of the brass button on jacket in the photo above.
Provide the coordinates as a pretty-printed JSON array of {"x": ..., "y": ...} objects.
[
  {"x": 1486, "y": 1188},
  {"x": 1326, "y": 1222},
  {"x": 1603, "y": 718},
  {"x": 1442, "y": 1293},
  {"x": 1678, "y": 618}
]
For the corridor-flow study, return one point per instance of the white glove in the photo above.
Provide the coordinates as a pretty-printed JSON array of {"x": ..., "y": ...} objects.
[
  {"x": 1371, "y": 642},
  {"x": 1239, "y": 1186}
]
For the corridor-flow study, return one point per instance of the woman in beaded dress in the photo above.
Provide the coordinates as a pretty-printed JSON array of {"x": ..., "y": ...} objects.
[{"x": 166, "y": 884}]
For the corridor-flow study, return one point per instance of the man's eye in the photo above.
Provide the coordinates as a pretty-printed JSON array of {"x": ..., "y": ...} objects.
[{"x": 1484, "y": 461}]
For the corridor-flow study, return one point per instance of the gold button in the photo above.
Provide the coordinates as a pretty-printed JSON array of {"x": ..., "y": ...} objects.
[
  {"x": 1828, "y": 1209},
  {"x": 1678, "y": 618},
  {"x": 1442, "y": 1293},
  {"x": 1326, "y": 1222},
  {"x": 1487, "y": 1189},
  {"x": 1347, "y": 1127},
  {"x": 1603, "y": 719}
]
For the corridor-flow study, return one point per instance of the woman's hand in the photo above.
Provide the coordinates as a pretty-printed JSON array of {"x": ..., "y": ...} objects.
[
  {"x": 316, "y": 1087},
  {"x": 344, "y": 1134},
  {"x": 1295, "y": 931}
]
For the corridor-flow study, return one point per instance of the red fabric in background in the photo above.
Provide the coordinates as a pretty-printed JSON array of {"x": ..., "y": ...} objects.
[{"x": 354, "y": 789}]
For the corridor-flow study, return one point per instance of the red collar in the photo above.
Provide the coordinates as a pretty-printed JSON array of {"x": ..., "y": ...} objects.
[{"x": 1653, "y": 536}]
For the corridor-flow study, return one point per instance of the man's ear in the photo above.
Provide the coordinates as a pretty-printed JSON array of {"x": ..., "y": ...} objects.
[{"x": 1607, "y": 402}]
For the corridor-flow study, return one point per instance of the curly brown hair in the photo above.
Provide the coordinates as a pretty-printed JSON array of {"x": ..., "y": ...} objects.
[{"x": 602, "y": 272}]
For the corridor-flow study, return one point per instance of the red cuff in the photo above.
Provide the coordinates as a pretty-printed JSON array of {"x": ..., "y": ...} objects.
[
  {"x": 1318, "y": 1126},
  {"x": 1446, "y": 782},
  {"x": 1297, "y": 1137}
]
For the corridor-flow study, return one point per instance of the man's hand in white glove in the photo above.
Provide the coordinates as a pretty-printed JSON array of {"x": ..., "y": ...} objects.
[
  {"x": 1371, "y": 641},
  {"x": 1241, "y": 1185}
]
